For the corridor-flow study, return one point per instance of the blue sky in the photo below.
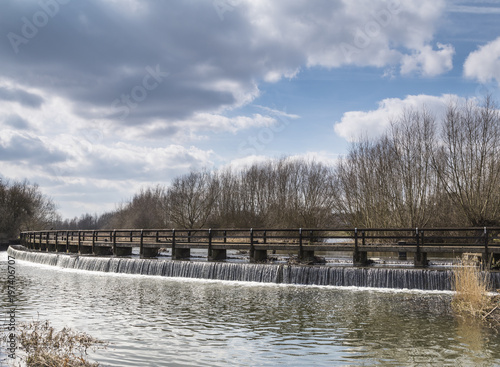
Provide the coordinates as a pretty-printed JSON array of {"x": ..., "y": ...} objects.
[{"x": 101, "y": 98}]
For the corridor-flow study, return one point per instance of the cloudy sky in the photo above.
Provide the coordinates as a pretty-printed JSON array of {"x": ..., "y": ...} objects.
[{"x": 101, "y": 98}]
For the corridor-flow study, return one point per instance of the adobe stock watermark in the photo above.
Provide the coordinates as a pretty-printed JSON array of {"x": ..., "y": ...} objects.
[
  {"x": 256, "y": 143},
  {"x": 223, "y": 6},
  {"x": 127, "y": 102},
  {"x": 31, "y": 25},
  {"x": 363, "y": 36}
]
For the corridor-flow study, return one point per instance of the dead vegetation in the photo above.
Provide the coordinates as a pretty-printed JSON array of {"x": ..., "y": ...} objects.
[
  {"x": 473, "y": 297},
  {"x": 43, "y": 346}
]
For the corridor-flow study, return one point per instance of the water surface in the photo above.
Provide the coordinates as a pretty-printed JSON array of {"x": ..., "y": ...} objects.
[{"x": 156, "y": 321}]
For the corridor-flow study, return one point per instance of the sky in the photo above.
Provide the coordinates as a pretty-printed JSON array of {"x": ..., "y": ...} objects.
[{"x": 99, "y": 99}]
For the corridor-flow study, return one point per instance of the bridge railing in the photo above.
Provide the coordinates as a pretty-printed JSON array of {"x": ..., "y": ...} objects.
[{"x": 302, "y": 241}]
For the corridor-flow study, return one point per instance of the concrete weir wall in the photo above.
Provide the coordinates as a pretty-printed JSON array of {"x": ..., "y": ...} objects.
[{"x": 424, "y": 279}]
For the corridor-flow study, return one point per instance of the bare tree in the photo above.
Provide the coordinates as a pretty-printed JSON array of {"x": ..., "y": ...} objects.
[
  {"x": 363, "y": 183},
  {"x": 415, "y": 185},
  {"x": 312, "y": 195},
  {"x": 192, "y": 199},
  {"x": 24, "y": 207},
  {"x": 468, "y": 162},
  {"x": 148, "y": 208}
]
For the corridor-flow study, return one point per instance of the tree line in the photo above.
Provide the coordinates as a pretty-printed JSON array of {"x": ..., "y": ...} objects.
[
  {"x": 284, "y": 193},
  {"x": 423, "y": 172},
  {"x": 24, "y": 207},
  {"x": 426, "y": 173}
]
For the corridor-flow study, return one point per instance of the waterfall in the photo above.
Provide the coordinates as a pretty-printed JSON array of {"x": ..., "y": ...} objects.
[
  {"x": 264, "y": 273},
  {"x": 425, "y": 279}
]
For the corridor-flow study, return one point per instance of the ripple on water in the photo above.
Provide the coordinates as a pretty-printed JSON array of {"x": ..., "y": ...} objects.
[{"x": 173, "y": 322}]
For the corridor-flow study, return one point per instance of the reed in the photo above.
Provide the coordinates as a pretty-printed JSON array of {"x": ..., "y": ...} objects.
[{"x": 471, "y": 286}]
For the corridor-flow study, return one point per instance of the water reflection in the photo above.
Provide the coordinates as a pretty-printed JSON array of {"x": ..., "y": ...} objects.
[{"x": 176, "y": 322}]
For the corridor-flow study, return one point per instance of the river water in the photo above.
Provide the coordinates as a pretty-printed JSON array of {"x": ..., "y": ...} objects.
[{"x": 158, "y": 321}]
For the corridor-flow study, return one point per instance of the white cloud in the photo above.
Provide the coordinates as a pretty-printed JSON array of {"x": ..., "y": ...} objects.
[
  {"x": 193, "y": 128},
  {"x": 371, "y": 124},
  {"x": 113, "y": 96},
  {"x": 232, "y": 124},
  {"x": 429, "y": 62},
  {"x": 103, "y": 65},
  {"x": 324, "y": 157},
  {"x": 245, "y": 162},
  {"x": 484, "y": 63},
  {"x": 279, "y": 113},
  {"x": 355, "y": 32}
]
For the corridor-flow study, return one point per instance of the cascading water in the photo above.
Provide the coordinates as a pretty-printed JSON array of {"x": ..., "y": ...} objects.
[{"x": 425, "y": 279}]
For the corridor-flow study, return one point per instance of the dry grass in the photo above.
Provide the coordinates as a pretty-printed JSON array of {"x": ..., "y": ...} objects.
[
  {"x": 45, "y": 347},
  {"x": 472, "y": 297}
]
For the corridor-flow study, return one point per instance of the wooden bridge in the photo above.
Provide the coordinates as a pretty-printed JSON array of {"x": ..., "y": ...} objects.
[{"x": 259, "y": 242}]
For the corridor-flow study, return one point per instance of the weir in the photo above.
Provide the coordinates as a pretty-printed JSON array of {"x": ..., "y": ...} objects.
[{"x": 397, "y": 278}]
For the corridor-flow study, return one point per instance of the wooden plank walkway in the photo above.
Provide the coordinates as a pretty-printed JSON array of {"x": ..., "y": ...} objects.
[{"x": 303, "y": 242}]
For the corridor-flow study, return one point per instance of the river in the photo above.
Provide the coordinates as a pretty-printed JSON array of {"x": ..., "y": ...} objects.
[{"x": 159, "y": 321}]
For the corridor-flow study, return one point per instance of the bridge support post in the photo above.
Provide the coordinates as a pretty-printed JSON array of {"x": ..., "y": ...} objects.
[
  {"x": 489, "y": 259},
  {"x": 85, "y": 250},
  {"x": 217, "y": 255},
  {"x": 61, "y": 247},
  {"x": 307, "y": 255},
  {"x": 402, "y": 254},
  {"x": 304, "y": 255},
  {"x": 122, "y": 251},
  {"x": 102, "y": 250},
  {"x": 43, "y": 245},
  {"x": 38, "y": 244},
  {"x": 258, "y": 256},
  {"x": 141, "y": 246},
  {"x": 149, "y": 252},
  {"x": 420, "y": 259},
  {"x": 180, "y": 253},
  {"x": 360, "y": 258},
  {"x": 251, "y": 251}
]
